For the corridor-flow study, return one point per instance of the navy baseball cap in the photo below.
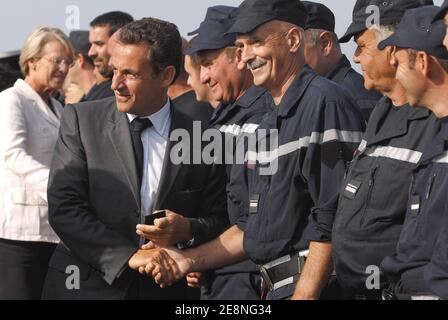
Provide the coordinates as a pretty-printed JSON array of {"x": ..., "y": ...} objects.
[
  {"x": 214, "y": 13},
  {"x": 211, "y": 34},
  {"x": 80, "y": 41},
  {"x": 442, "y": 12},
  {"x": 254, "y": 13},
  {"x": 319, "y": 17},
  {"x": 390, "y": 12},
  {"x": 417, "y": 31}
]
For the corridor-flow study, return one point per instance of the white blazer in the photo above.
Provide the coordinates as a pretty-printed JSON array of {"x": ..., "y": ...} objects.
[{"x": 28, "y": 134}]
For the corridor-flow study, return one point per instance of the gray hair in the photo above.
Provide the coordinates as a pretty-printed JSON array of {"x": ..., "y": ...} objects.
[
  {"x": 35, "y": 43},
  {"x": 382, "y": 32}
]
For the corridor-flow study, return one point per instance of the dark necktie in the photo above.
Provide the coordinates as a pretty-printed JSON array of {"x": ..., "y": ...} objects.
[{"x": 137, "y": 126}]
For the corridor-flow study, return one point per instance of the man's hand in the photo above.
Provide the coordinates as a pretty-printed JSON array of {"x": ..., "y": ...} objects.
[
  {"x": 167, "y": 231},
  {"x": 73, "y": 94},
  {"x": 174, "y": 266},
  {"x": 196, "y": 279},
  {"x": 166, "y": 267}
]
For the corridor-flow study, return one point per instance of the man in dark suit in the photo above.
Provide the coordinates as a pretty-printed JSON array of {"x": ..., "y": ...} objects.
[{"x": 113, "y": 167}]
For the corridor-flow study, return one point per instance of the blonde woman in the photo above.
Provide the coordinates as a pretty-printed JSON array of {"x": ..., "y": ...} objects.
[{"x": 29, "y": 125}]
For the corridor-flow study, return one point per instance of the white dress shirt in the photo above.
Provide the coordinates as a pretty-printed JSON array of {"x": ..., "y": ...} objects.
[{"x": 154, "y": 141}]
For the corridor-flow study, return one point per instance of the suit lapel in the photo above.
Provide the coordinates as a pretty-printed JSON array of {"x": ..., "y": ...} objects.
[
  {"x": 120, "y": 137},
  {"x": 34, "y": 98}
]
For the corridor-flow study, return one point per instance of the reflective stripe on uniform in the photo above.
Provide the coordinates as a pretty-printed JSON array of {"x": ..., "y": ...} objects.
[
  {"x": 235, "y": 129},
  {"x": 442, "y": 159},
  {"x": 315, "y": 138},
  {"x": 362, "y": 146},
  {"x": 400, "y": 154}
]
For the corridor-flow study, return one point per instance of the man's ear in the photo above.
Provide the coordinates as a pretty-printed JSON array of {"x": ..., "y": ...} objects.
[
  {"x": 390, "y": 52},
  {"x": 167, "y": 76},
  {"x": 241, "y": 65},
  {"x": 325, "y": 43},
  {"x": 423, "y": 63},
  {"x": 295, "y": 39},
  {"x": 80, "y": 60}
]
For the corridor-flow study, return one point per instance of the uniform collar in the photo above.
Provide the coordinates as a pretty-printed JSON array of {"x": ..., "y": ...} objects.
[
  {"x": 341, "y": 69},
  {"x": 245, "y": 101},
  {"x": 296, "y": 90},
  {"x": 419, "y": 113},
  {"x": 216, "y": 116},
  {"x": 161, "y": 120},
  {"x": 438, "y": 145},
  {"x": 398, "y": 129},
  {"x": 252, "y": 94}
]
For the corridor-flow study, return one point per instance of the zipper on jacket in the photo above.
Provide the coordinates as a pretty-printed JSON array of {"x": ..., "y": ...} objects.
[
  {"x": 431, "y": 183},
  {"x": 369, "y": 195}
]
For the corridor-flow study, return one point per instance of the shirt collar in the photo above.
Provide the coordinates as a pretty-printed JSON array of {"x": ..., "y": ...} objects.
[
  {"x": 245, "y": 101},
  {"x": 161, "y": 120},
  {"x": 340, "y": 70},
  {"x": 252, "y": 94},
  {"x": 296, "y": 91}
]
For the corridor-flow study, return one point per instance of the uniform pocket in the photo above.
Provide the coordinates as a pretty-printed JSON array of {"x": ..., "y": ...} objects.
[
  {"x": 355, "y": 197},
  {"x": 371, "y": 186}
]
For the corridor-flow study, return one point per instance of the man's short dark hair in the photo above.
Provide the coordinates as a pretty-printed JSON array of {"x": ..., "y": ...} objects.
[
  {"x": 86, "y": 58},
  {"x": 115, "y": 20},
  {"x": 162, "y": 38}
]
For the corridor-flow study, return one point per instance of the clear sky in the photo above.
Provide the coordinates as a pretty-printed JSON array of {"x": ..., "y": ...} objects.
[{"x": 19, "y": 17}]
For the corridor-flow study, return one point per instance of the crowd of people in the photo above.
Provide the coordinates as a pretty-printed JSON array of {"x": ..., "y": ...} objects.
[{"x": 342, "y": 195}]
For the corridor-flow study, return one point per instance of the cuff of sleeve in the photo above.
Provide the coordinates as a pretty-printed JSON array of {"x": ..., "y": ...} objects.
[
  {"x": 319, "y": 228},
  {"x": 186, "y": 244},
  {"x": 196, "y": 233}
]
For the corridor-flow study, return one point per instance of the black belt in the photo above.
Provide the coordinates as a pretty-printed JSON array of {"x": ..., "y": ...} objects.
[
  {"x": 283, "y": 271},
  {"x": 395, "y": 291}
]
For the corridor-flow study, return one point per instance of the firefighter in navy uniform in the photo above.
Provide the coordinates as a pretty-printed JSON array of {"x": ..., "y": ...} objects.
[
  {"x": 372, "y": 201},
  {"x": 242, "y": 106},
  {"x": 423, "y": 71},
  {"x": 319, "y": 127},
  {"x": 323, "y": 53},
  {"x": 436, "y": 272}
]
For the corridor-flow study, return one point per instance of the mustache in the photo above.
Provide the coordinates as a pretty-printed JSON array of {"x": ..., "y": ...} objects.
[{"x": 257, "y": 63}]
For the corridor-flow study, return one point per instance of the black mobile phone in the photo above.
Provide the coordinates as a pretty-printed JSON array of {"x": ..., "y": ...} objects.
[{"x": 149, "y": 220}]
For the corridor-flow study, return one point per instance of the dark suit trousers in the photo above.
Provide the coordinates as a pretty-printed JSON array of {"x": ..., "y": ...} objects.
[{"x": 23, "y": 267}]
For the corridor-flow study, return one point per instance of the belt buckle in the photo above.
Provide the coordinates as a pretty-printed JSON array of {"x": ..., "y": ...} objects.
[
  {"x": 388, "y": 295},
  {"x": 266, "y": 282}
]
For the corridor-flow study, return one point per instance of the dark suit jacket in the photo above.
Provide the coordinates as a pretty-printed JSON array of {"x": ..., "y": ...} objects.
[
  {"x": 94, "y": 201},
  {"x": 99, "y": 91}
]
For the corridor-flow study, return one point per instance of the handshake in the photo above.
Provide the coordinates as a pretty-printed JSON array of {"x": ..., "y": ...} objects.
[{"x": 158, "y": 258}]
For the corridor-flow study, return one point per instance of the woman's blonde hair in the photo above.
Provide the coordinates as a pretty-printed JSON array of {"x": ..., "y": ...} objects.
[{"x": 36, "y": 42}]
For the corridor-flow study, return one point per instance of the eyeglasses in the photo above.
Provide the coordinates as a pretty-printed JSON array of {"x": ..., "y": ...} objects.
[{"x": 57, "y": 61}]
